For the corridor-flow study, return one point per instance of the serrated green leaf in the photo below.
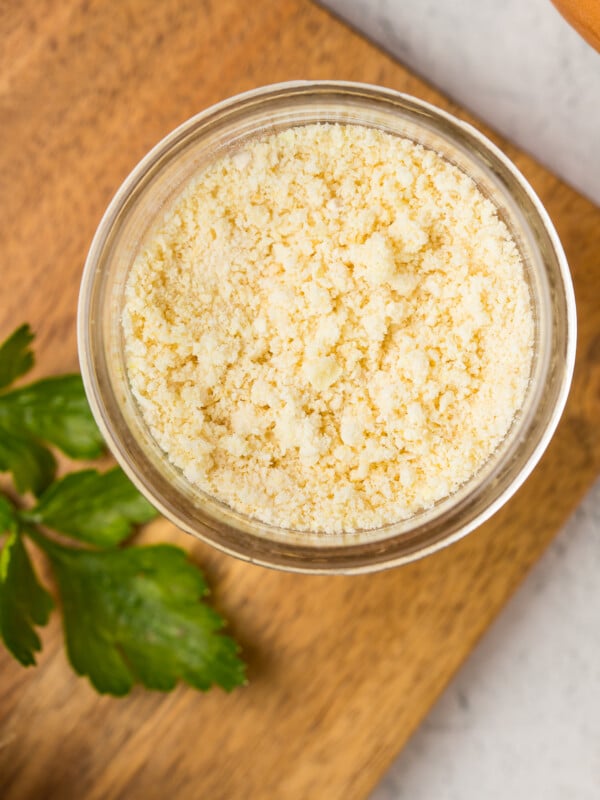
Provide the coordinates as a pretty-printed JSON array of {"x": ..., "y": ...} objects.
[
  {"x": 136, "y": 615},
  {"x": 98, "y": 508},
  {"x": 16, "y": 357},
  {"x": 8, "y": 516},
  {"x": 32, "y": 465},
  {"x": 54, "y": 410},
  {"x": 23, "y": 602}
]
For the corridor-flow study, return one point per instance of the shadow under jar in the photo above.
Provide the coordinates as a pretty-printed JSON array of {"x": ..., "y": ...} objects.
[{"x": 159, "y": 179}]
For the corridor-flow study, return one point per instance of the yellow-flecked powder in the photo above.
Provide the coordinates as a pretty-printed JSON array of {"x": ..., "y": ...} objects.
[{"x": 330, "y": 329}]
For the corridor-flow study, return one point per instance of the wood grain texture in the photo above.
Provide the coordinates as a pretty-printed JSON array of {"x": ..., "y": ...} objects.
[{"x": 341, "y": 669}]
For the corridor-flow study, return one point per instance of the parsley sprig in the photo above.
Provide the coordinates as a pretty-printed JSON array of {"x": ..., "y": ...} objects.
[{"x": 130, "y": 614}]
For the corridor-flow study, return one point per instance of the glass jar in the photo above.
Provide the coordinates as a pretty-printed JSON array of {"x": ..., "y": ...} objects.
[{"x": 157, "y": 180}]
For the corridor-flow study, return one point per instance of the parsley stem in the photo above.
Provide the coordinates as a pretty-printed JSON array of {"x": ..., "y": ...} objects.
[{"x": 43, "y": 542}]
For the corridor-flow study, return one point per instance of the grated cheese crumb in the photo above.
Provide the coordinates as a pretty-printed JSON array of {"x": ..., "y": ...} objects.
[{"x": 329, "y": 330}]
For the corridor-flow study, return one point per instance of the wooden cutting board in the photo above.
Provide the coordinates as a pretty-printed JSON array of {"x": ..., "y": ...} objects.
[{"x": 341, "y": 669}]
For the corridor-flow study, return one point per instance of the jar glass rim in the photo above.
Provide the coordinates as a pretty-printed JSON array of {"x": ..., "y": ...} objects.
[{"x": 100, "y": 347}]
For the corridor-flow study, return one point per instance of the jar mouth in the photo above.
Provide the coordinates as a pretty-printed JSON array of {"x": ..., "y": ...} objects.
[{"x": 162, "y": 174}]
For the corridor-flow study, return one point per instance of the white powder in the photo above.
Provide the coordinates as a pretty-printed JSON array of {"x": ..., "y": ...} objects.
[{"x": 329, "y": 330}]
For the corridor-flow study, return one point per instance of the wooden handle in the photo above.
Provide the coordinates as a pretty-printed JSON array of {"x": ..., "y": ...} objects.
[{"x": 584, "y": 16}]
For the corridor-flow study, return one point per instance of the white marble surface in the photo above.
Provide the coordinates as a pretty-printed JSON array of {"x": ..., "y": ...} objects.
[
  {"x": 522, "y": 717},
  {"x": 521, "y": 720},
  {"x": 515, "y": 63}
]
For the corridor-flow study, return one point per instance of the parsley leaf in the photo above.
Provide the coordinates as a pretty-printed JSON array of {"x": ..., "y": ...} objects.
[
  {"x": 136, "y": 615},
  {"x": 8, "y": 516},
  {"x": 98, "y": 508},
  {"x": 23, "y": 602},
  {"x": 15, "y": 356},
  {"x": 54, "y": 410},
  {"x": 32, "y": 465}
]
